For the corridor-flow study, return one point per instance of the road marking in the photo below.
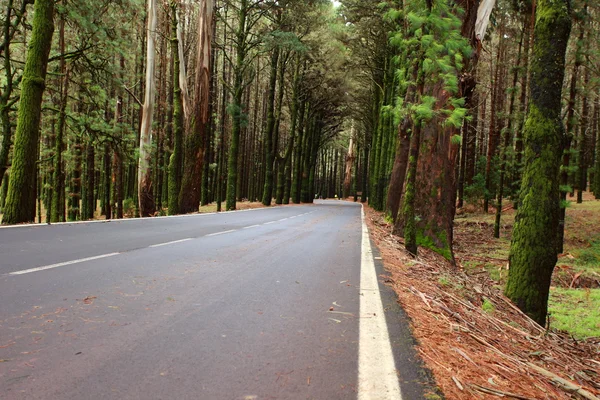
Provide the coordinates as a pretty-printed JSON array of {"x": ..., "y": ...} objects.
[
  {"x": 293, "y": 217},
  {"x": 269, "y": 223},
  {"x": 220, "y": 233},
  {"x": 251, "y": 226},
  {"x": 377, "y": 378},
  {"x": 168, "y": 243},
  {"x": 62, "y": 264},
  {"x": 282, "y": 219}
]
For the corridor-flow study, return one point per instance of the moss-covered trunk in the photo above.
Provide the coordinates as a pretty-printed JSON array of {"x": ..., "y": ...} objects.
[
  {"x": 535, "y": 240},
  {"x": 20, "y": 202}
]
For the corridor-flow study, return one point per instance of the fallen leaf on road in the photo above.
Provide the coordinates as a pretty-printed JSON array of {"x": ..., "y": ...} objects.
[
  {"x": 330, "y": 308},
  {"x": 89, "y": 299}
]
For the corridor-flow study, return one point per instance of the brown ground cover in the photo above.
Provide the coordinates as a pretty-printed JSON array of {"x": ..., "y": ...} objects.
[{"x": 475, "y": 341}]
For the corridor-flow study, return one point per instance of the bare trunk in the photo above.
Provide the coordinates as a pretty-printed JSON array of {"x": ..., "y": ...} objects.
[{"x": 145, "y": 197}]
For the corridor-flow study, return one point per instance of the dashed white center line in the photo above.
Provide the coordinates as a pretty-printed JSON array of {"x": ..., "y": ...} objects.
[
  {"x": 251, "y": 226},
  {"x": 269, "y": 223},
  {"x": 220, "y": 233},
  {"x": 282, "y": 219},
  {"x": 62, "y": 264},
  {"x": 168, "y": 243}
]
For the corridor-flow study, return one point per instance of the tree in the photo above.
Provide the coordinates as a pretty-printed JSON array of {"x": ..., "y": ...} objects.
[
  {"x": 20, "y": 202},
  {"x": 534, "y": 244},
  {"x": 145, "y": 197},
  {"x": 189, "y": 197}
]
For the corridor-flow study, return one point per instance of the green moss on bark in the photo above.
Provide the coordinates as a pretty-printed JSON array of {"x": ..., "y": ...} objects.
[
  {"x": 20, "y": 202},
  {"x": 535, "y": 240}
]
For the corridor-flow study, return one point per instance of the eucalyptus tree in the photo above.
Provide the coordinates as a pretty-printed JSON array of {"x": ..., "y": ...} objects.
[{"x": 145, "y": 197}]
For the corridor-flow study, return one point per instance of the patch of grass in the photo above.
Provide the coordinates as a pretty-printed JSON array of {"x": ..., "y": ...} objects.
[
  {"x": 497, "y": 273},
  {"x": 576, "y": 311},
  {"x": 210, "y": 208},
  {"x": 488, "y": 306},
  {"x": 443, "y": 280},
  {"x": 588, "y": 257}
]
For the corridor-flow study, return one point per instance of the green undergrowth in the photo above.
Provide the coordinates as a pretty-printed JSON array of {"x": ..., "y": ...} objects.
[{"x": 576, "y": 311}]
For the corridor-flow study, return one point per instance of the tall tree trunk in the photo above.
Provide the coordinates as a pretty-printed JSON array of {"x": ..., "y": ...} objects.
[
  {"x": 567, "y": 141},
  {"x": 145, "y": 197},
  {"x": 507, "y": 140},
  {"x": 58, "y": 179},
  {"x": 189, "y": 197},
  {"x": 269, "y": 152},
  {"x": 533, "y": 252},
  {"x": 583, "y": 137},
  {"x": 20, "y": 202},
  {"x": 176, "y": 161},
  {"x": 350, "y": 157},
  {"x": 237, "y": 110}
]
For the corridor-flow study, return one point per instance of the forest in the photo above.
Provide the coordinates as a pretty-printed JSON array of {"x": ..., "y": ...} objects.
[{"x": 126, "y": 108}]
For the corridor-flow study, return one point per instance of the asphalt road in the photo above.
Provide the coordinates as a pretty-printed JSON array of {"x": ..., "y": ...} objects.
[{"x": 228, "y": 306}]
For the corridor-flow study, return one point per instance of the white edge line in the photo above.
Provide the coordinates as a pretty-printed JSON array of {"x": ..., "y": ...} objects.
[
  {"x": 28, "y": 271},
  {"x": 251, "y": 226},
  {"x": 168, "y": 243},
  {"x": 220, "y": 233},
  {"x": 377, "y": 378}
]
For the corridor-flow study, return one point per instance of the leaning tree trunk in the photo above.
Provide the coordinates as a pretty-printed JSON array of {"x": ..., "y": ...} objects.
[
  {"x": 20, "y": 202},
  {"x": 145, "y": 197},
  {"x": 534, "y": 244},
  {"x": 189, "y": 197}
]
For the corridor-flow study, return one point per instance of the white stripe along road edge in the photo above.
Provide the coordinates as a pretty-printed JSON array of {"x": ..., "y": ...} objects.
[
  {"x": 28, "y": 271},
  {"x": 168, "y": 243},
  {"x": 220, "y": 233},
  {"x": 377, "y": 378}
]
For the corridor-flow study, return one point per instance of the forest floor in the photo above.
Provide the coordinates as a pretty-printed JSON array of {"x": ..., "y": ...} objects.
[{"x": 475, "y": 341}]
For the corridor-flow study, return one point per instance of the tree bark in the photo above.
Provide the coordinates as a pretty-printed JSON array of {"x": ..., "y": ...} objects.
[
  {"x": 189, "y": 197},
  {"x": 534, "y": 244},
  {"x": 20, "y": 202},
  {"x": 145, "y": 197},
  {"x": 176, "y": 161}
]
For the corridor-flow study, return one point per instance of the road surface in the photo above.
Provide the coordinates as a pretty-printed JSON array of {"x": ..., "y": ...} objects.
[{"x": 276, "y": 303}]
